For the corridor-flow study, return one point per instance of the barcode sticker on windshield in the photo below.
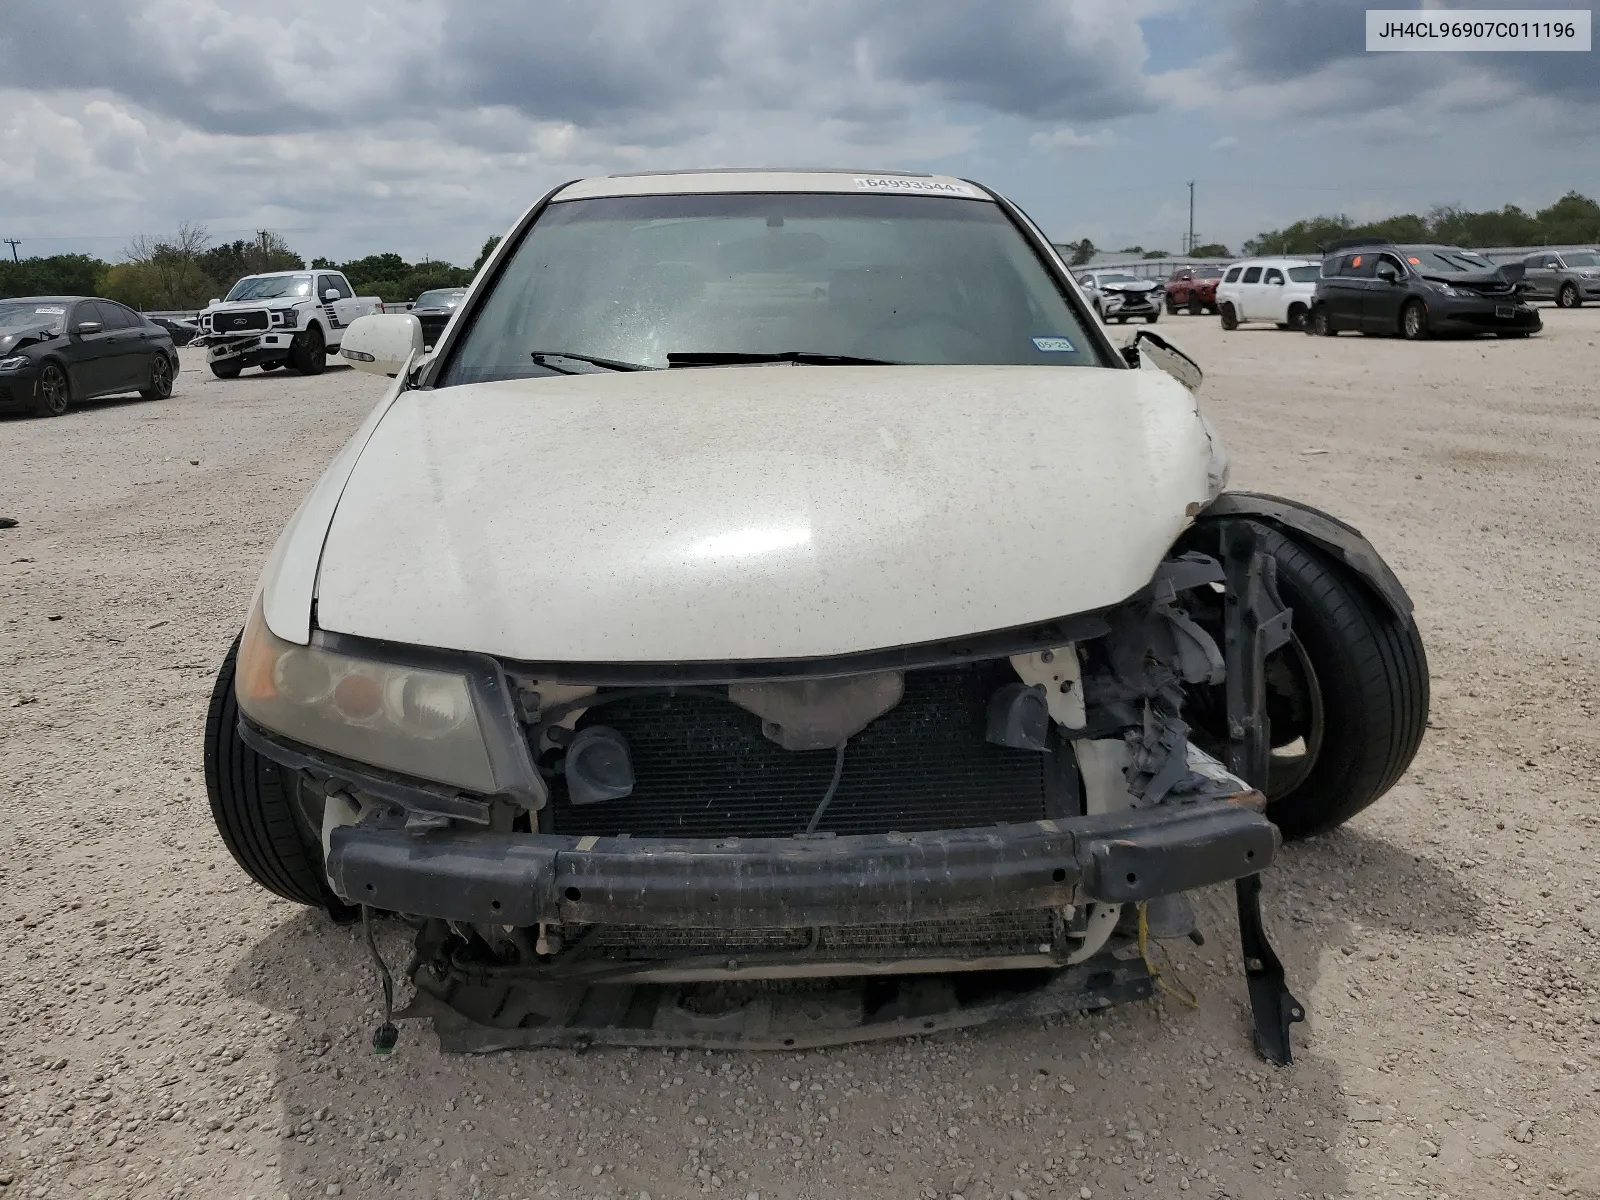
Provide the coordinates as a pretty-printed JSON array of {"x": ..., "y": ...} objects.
[
  {"x": 51, "y": 310},
  {"x": 1054, "y": 345},
  {"x": 896, "y": 183}
]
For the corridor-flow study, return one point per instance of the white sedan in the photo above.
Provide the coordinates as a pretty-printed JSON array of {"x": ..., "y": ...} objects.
[{"x": 780, "y": 576}]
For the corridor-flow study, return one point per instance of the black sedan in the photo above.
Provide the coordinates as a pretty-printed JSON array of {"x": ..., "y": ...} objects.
[
  {"x": 434, "y": 309},
  {"x": 55, "y": 350},
  {"x": 183, "y": 331}
]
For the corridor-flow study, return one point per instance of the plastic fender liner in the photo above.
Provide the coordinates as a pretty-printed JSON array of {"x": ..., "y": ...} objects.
[{"x": 1328, "y": 533}]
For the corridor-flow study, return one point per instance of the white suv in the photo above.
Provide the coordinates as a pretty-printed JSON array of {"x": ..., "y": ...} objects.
[{"x": 1268, "y": 289}]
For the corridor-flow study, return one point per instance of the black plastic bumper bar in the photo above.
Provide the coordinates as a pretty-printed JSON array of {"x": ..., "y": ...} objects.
[{"x": 735, "y": 883}]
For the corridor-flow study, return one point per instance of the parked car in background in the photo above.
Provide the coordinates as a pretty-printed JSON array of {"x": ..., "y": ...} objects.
[
  {"x": 183, "y": 331},
  {"x": 55, "y": 350},
  {"x": 851, "y": 610},
  {"x": 1116, "y": 295},
  {"x": 434, "y": 309},
  {"x": 1417, "y": 291},
  {"x": 293, "y": 317},
  {"x": 1569, "y": 277},
  {"x": 1268, "y": 289},
  {"x": 1194, "y": 289}
]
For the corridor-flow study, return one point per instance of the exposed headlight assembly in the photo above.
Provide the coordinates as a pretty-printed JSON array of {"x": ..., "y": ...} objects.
[
  {"x": 417, "y": 721},
  {"x": 15, "y": 363}
]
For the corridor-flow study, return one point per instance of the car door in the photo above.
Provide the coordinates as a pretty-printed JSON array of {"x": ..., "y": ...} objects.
[
  {"x": 347, "y": 306},
  {"x": 90, "y": 354},
  {"x": 1250, "y": 292},
  {"x": 1540, "y": 277},
  {"x": 1382, "y": 297},
  {"x": 1344, "y": 299},
  {"x": 139, "y": 340},
  {"x": 1269, "y": 305}
]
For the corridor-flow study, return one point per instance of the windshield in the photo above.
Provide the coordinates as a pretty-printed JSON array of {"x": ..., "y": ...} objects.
[
  {"x": 270, "y": 287},
  {"x": 1113, "y": 278},
  {"x": 900, "y": 279},
  {"x": 1582, "y": 258},
  {"x": 33, "y": 312},
  {"x": 1208, "y": 272},
  {"x": 443, "y": 299},
  {"x": 1448, "y": 260},
  {"x": 1304, "y": 274}
]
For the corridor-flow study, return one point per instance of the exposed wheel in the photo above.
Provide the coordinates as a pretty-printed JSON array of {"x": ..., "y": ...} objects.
[
  {"x": 1568, "y": 296},
  {"x": 1321, "y": 323},
  {"x": 160, "y": 378},
  {"x": 227, "y": 368},
  {"x": 1195, "y": 306},
  {"x": 252, "y": 808},
  {"x": 1297, "y": 316},
  {"x": 1230, "y": 318},
  {"x": 1347, "y": 697},
  {"x": 1413, "y": 321},
  {"x": 55, "y": 391},
  {"x": 307, "y": 352}
]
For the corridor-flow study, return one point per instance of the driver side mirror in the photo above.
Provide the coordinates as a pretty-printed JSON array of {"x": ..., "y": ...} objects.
[
  {"x": 383, "y": 343},
  {"x": 1387, "y": 273},
  {"x": 330, "y": 294},
  {"x": 87, "y": 327},
  {"x": 1163, "y": 354}
]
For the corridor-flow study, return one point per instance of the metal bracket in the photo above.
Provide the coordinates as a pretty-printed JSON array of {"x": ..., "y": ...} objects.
[{"x": 1254, "y": 623}]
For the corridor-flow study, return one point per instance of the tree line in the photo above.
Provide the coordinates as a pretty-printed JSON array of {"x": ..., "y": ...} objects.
[{"x": 184, "y": 270}]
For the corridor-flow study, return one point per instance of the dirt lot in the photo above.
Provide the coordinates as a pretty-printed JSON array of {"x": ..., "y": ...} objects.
[{"x": 168, "y": 1030}]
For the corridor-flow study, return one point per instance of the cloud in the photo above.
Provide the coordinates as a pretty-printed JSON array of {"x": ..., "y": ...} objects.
[
  {"x": 1064, "y": 137},
  {"x": 1224, "y": 144}
]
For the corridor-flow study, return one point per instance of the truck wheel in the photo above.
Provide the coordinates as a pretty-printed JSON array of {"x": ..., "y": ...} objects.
[
  {"x": 251, "y": 806},
  {"x": 1195, "y": 306},
  {"x": 227, "y": 368},
  {"x": 306, "y": 353},
  {"x": 1347, "y": 697},
  {"x": 1568, "y": 296},
  {"x": 1230, "y": 319}
]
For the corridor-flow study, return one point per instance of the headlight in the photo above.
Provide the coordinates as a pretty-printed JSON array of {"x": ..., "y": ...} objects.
[
  {"x": 15, "y": 363},
  {"x": 1447, "y": 290},
  {"x": 284, "y": 316},
  {"x": 411, "y": 720}
]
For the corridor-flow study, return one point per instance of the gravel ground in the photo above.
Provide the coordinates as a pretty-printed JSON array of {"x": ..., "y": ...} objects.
[{"x": 169, "y": 1030}]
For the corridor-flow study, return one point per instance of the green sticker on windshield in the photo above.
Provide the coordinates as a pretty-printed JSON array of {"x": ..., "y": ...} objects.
[{"x": 1054, "y": 345}]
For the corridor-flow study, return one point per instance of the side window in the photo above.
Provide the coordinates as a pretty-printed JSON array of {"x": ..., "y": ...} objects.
[
  {"x": 129, "y": 318},
  {"x": 112, "y": 316},
  {"x": 1536, "y": 260},
  {"x": 1554, "y": 262},
  {"x": 341, "y": 286},
  {"x": 1399, "y": 267},
  {"x": 324, "y": 282},
  {"x": 1273, "y": 275},
  {"x": 1252, "y": 275},
  {"x": 1361, "y": 266},
  {"x": 1233, "y": 274}
]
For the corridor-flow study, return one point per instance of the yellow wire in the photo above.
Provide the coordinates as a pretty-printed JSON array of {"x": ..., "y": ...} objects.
[{"x": 1176, "y": 990}]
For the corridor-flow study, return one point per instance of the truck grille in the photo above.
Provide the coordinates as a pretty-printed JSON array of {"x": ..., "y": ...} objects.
[
  {"x": 234, "y": 322},
  {"x": 704, "y": 770}
]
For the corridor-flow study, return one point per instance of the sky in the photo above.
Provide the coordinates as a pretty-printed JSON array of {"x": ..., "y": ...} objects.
[{"x": 423, "y": 126}]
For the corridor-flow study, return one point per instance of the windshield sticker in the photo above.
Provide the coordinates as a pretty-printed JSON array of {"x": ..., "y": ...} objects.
[
  {"x": 892, "y": 183},
  {"x": 1356, "y": 261},
  {"x": 1054, "y": 345},
  {"x": 51, "y": 310}
]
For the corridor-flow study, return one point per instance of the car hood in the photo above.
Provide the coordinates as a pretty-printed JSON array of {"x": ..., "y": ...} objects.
[
  {"x": 1506, "y": 273},
  {"x": 759, "y": 512},
  {"x": 15, "y": 335},
  {"x": 1144, "y": 286}
]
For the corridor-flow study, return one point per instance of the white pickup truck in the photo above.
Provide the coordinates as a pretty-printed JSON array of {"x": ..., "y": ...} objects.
[{"x": 293, "y": 317}]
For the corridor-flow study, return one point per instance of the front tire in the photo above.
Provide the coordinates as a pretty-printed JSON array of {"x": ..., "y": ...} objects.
[
  {"x": 1230, "y": 318},
  {"x": 55, "y": 391},
  {"x": 308, "y": 353},
  {"x": 251, "y": 805},
  {"x": 1414, "y": 321},
  {"x": 1152, "y": 318},
  {"x": 160, "y": 378},
  {"x": 227, "y": 368},
  {"x": 1172, "y": 306},
  {"x": 1568, "y": 296},
  {"x": 1321, "y": 323},
  {"x": 1195, "y": 307}
]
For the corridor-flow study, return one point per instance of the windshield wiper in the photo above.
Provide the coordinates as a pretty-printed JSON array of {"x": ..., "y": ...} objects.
[
  {"x": 542, "y": 356},
  {"x": 735, "y": 358}
]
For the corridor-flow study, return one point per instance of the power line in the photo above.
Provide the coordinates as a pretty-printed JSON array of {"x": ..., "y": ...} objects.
[{"x": 12, "y": 242}]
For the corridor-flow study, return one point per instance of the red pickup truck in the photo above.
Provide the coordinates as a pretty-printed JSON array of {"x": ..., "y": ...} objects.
[{"x": 1194, "y": 288}]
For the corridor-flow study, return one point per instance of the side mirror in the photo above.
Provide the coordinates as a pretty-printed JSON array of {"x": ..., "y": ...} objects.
[
  {"x": 382, "y": 344},
  {"x": 330, "y": 294},
  {"x": 86, "y": 327},
  {"x": 1387, "y": 273},
  {"x": 1163, "y": 354},
  {"x": 213, "y": 302}
]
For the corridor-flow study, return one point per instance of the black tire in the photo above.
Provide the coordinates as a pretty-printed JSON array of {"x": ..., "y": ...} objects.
[
  {"x": 1321, "y": 324},
  {"x": 307, "y": 353},
  {"x": 1414, "y": 321},
  {"x": 54, "y": 396},
  {"x": 1230, "y": 319},
  {"x": 1195, "y": 307},
  {"x": 1152, "y": 318},
  {"x": 1568, "y": 296},
  {"x": 227, "y": 368},
  {"x": 1211, "y": 310},
  {"x": 251, "y": 806},
  {"x": 1172, "y": 306},
  {"x": 1122, "y": 320},
  {"x": 1297, "y": 316},
  {"x": 160, "y": 377}
]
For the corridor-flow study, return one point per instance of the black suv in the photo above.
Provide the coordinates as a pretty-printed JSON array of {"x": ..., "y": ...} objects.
[{"x": 1416, "y": 291}]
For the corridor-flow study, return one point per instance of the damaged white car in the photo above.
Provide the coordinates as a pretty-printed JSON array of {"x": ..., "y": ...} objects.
[{"x": 776, "y": 615}]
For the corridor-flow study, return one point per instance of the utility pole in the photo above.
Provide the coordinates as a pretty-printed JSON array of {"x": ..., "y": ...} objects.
[
  {"x": 12, "y": 242},
  {"x": 1188, "y": 247}
]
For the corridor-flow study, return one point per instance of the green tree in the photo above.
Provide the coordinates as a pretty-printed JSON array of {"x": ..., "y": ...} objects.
[
  {"x": 1131, "y": 250},
  {"x": 1081, "y": 252},
  {"x": 488, "y": 249},
  {"x": 53, "y": 275},
  {"x": 1572, "y": 220},
  {"x": 1212, "y": 250},
  {"x": 1156, "y": 254}
]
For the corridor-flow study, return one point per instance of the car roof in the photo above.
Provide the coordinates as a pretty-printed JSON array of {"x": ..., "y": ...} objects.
[
  {"x": 756, "y": 179},
  {"x": 44, "y": 299}
]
